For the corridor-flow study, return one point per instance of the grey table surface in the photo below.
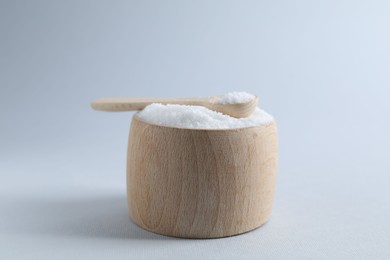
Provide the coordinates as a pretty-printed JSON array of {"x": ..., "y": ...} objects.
[{"x": 321, "y": 68}]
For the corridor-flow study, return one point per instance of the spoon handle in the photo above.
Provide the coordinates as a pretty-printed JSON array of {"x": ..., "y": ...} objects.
[{"x": 131, "y": 104}]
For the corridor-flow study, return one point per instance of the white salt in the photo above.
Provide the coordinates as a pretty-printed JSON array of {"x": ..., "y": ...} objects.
[
  {"x": 235, "y": 98},
  {"x": 197, "y": 117}
]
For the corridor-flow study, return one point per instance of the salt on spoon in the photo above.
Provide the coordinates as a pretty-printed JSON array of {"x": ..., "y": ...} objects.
[{"x": 235, "y": 104}]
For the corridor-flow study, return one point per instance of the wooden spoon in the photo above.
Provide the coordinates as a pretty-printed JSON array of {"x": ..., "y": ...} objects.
[{"x": 237, "y": 110}]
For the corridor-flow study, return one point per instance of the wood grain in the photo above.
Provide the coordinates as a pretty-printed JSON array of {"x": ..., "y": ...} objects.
[
  {"x": 201, "y": 183},
  {"x": 131, "y": 104}
]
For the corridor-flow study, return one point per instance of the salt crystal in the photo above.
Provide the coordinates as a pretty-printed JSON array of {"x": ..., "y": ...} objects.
[
  {"x": 198, "y": 117},
  {"x": 235, "y": 98}
]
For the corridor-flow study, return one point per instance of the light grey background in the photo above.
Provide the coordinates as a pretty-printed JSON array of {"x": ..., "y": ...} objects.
[{"x": 320, "y": 67}]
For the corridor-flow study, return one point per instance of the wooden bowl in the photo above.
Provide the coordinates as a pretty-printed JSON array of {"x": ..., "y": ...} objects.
[{"x": 200, "y": 183}]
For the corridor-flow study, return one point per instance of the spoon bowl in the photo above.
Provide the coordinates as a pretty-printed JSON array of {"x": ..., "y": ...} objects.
[{"x": 237, "y": 110}]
